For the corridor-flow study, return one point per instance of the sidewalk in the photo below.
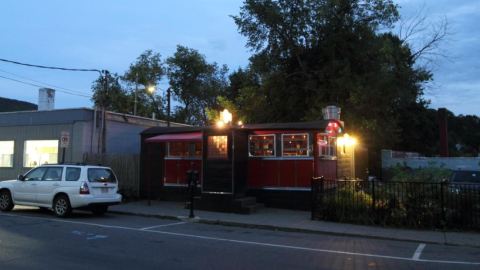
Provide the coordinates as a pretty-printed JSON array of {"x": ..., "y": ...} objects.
[{"x": 290, "y": 220}]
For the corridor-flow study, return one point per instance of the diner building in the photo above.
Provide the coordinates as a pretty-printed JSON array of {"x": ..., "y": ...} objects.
[{"x": 272, "y": 163}]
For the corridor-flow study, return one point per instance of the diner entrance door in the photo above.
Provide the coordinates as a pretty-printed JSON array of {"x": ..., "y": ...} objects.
[{"x": 218, "y": 178}]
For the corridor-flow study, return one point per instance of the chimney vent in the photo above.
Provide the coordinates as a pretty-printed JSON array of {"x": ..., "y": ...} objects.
[
  {"x": 46, "y": 99},
  {"x": 331, "y": 112}
]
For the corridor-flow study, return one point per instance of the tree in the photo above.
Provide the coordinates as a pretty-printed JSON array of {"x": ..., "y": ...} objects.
[
  {"x": 113, "y": 97},
  {"x": 195, "y": 83},
  {"x": 310, "y": 53},
  {"x": 313, "y": 53},
  {"x": 146, "y": 72},
  {"x": 244, "y": 98}
]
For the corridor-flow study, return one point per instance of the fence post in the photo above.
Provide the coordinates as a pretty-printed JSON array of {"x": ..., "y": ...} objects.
[
  {"x": 312, "y": 198},
  {"x": 375, "y": 218},
  {"x": 317, "y": 194},
  {"x": 322, "y": 188},
  {"x": 442, "y": 202}
]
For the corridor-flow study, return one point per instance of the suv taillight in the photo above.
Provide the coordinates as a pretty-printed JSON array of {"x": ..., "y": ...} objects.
[{"x": 84, "y": 188}]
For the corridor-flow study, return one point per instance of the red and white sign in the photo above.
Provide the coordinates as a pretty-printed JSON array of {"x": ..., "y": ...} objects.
[{"x": 64, "y": 139}]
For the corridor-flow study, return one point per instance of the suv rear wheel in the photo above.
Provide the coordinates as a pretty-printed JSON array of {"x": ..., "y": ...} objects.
[
  {"x": 61, "y": 206},
  {"x": 6, "y": 202}
]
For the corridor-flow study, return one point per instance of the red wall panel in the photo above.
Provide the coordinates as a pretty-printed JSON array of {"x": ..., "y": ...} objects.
[
  {"x": 270, "y": 173},
  {"x": 279, "y": 173},
  {"x": 304, "y": 172},
  {"x": 255, "y": 173},
  {"x": 176, "y": 170},
  {"x": 326, "y": 168},
  {"x": 287, "y": 173}
]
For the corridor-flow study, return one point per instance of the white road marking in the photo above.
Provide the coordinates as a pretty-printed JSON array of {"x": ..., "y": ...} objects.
[
  {"x": 97, "y": 236},
  {"x": 251, "y": 242},
  {"x": 90, "y": 236},
  {"x": 418, "y": 252},
  {"x": 162, "y": 225}
]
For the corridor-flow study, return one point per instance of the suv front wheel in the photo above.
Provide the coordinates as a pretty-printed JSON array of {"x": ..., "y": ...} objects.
[
  {"x": 61, "y": 206},
  {"x": 6, "y": 202}
]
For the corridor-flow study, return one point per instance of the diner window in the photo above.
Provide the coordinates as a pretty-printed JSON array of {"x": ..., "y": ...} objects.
[
  {"x": 326, "y": 146},
  {"x": 185, "y": 149},
  {"x": 261, "y": 145},
  {"x": 217, "y": 147},
  {"x": 40, "y": 152},
  {"x": 6, "y": 154},
  {"x": 295, "y": 145}
]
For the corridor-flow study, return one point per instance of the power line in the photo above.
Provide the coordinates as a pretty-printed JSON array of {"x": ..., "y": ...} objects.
[
  {"x": 44, "y": 83},
  {"x": 40, "y": 86},
  {"x": 50, "y": 67}
]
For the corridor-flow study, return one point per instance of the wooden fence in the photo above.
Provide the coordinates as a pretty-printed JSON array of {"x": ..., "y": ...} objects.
[{"x": 126, "y": 168}]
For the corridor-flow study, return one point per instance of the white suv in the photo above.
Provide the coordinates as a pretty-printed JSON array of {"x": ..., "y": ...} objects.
[{"x": 62, "y": 187}]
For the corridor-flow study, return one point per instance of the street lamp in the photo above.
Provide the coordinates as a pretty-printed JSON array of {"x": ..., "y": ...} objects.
[
  {"x": 151, "y": 89},
  {"x": 136, "y": 90}
]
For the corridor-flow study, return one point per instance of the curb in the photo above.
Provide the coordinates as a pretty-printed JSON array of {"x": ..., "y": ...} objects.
[{"x": 284, "y": 229}]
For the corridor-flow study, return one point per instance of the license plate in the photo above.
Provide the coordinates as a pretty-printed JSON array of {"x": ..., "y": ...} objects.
[{"x": 104, "y": 189}]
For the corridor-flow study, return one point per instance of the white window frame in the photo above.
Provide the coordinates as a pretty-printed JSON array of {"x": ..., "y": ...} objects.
[
  {"x": 334, "y": 147},
  {"x": 294, "y": 134},
  {"x": 13, "y": 154},
  {"x": 263, "y": 135}
]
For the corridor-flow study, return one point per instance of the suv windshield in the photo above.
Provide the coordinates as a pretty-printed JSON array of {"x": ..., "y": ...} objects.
[{"x": 101, "y": 175}]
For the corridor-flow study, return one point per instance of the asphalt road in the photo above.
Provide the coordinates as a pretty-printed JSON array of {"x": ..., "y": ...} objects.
[{"x": 34, "y": 239}]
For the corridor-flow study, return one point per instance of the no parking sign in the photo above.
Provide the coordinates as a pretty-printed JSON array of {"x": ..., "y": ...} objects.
[{"x": 64, "y": 139}]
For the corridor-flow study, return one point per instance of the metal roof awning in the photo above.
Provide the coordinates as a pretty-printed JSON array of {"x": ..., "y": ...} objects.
[{"x": 176, "y": 137}]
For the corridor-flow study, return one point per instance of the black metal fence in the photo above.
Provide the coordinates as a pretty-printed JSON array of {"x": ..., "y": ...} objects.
[{"x": 402, "y": 204}]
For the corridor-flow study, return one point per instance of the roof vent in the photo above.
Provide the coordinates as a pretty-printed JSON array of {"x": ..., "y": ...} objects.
[{"x": 331, "y": 112}]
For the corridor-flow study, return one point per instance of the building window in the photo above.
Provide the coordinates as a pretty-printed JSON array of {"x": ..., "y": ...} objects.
[
  {"x": 185, "y": 149},
  {"x": 326, "y": 146},
  {"x": 261, "y": 145},
  {"x": 217, "y": 147},
  {"x": 295, "y": 145},
  {"x": 40, "y": 152},
  {"x": 6, "y": 154}
]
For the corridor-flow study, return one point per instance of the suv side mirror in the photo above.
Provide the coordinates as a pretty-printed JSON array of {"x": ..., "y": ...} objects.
[{"x": 21, "y": 177}]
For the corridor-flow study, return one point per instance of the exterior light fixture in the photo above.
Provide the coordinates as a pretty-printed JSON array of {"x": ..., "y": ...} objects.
[
  {"x": 220, "y": 124},
  {"x": 225, "y": 119},
  {"x": 239, "y": 123},
  {"x": 226, "y": 116},
  {"x": 151, "y": 89},
  {"x": 346, "y": 140}
]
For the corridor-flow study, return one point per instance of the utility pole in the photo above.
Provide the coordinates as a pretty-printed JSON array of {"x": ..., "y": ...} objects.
[
  {"x": 168, "y": 106},
  {"x": 136, "y": 90},
  {"x": 104, "y": 123}
]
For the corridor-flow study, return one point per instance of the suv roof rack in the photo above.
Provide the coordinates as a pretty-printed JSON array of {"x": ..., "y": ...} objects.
[{"x": 76, "y": 163}]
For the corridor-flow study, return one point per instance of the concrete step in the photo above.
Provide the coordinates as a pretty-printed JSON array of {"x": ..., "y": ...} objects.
[
  {"x": 245, "y": 201},
  {"x": 250, "y": 209}
]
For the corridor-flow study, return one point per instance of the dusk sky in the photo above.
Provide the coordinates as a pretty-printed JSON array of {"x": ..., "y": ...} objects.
[{"x": 112, "y": 34}]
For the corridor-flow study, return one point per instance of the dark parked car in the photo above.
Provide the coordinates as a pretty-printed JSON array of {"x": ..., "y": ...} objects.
[{"x": 465, "y": 180}]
